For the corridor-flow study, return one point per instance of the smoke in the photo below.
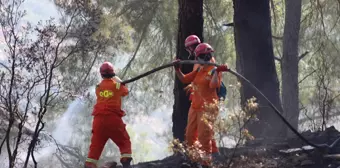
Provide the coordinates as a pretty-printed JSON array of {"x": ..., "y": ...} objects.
[
  {"x": 64, "y": 129},
  {"x": 150, "y": 135}
]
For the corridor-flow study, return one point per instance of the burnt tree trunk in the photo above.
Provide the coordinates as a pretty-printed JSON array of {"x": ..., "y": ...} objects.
[
  {"x": 190, "y": 15},
  {"x": 255, "y": 60},
  {"x": 290, "y": 62}
]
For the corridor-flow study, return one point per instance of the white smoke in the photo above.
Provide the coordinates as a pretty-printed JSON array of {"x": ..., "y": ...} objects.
[
  {"x": 64, "y": 129},
  {"x": 150, "y": 138}
]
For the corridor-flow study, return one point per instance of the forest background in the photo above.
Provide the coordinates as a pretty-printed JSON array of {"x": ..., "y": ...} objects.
[{"x": 50, "y": 52}]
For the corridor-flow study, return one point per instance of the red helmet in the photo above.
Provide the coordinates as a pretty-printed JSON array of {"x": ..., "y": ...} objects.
[
  {"x": 191, "y": 40},
  {"x": 106, "y": 69},
  {"x": 203, "y": 48}
]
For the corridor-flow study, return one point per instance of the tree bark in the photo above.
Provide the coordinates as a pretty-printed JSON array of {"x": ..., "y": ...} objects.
[
  {"x": 255, "y": 60},
  {"x": 190, "y": 15},
  {"x": 290, "y": 62}
]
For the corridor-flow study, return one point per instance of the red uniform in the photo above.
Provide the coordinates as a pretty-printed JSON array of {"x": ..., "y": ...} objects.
[{"x": 107, "y": 122}]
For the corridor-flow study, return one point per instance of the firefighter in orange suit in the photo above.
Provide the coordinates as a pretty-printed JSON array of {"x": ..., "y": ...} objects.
[
  {"x": 190, "y": 43},
  {"x": 107, "y": 121},
  {"x": 204, "y": 94}
]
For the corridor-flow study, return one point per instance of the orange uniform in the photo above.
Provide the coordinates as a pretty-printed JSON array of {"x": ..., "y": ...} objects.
[
  {"x": 107, "y": 122},
  {"x": 202, "y": 94},
  {"x": 213, "y": 141}
]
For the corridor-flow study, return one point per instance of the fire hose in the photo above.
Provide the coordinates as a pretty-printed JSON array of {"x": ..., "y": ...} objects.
[{"x": 322, "y": 147}]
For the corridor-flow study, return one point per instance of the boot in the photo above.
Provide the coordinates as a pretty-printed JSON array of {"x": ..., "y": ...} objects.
[
  {"x": 126, "y": 162},
  {"x": 110, "y": 165},
  {"x": 90, "y": 165}
]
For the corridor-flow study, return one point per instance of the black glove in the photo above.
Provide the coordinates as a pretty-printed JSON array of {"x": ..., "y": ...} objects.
[{"x": 177, "y": 66}]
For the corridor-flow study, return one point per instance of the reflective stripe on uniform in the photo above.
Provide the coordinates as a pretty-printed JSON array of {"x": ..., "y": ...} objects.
[
  {"x": 117, "y": 85},
  {"x": 92, "y": 160},
  {"x": 126, "y": 155},
  {"x": 211, "y": 71}
]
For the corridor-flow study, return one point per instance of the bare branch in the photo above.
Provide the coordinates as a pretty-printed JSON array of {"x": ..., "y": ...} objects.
[
  {"x": 277, "y": 37},
  {"x": 40, "y": 60},
  {"x": 74, "y": 50},
  {"x": 5, "y": 66},
  {"x": 63, "y": 38},
  {"x": 277, "y": 59},
  {"x": 12, "y": 51},
  {"x": 303, "y": 55},
  {"x": 229, "y": 24},
  {"x": 303, "y": 120},
  {"x": 62, "y": 161},
  {"x": 311, "y": 73},
  {"x": 137, "y": 48},
  {"x": 36, "y": 139},
  {"x": 89, "y": 68},
  {"x": 134, "y": 54},
  {"x": 44, "y": 98},
  {"x": 3, "y": 142}
]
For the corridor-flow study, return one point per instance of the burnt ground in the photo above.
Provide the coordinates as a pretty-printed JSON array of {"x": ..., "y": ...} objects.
[{"x": 274, "y": 153}]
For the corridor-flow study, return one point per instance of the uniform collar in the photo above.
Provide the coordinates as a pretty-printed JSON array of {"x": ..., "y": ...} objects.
[{"x": 107, "y": 79}]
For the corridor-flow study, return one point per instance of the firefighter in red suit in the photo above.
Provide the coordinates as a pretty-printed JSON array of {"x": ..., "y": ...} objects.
[{"x": 107, "y": 121}]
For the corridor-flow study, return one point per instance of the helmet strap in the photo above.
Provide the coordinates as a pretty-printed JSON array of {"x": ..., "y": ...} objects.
[
  {"x": 107, "y": 76},
  {"x": 189, "y": 51},
  {"x": 204, "y": 57}
]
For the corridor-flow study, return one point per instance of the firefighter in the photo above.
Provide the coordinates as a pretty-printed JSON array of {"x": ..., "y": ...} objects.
[
  {"x": 204, "y": 95},
  {"x": 107, "y": 121},
  {"x": 190, "y": 43}
]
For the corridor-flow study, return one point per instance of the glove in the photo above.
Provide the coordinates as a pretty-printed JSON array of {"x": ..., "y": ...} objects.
[
  {"x": 188, "y": 89},
  {"x": 176, "y": 64},
  {"x": 222, "y": 68}
]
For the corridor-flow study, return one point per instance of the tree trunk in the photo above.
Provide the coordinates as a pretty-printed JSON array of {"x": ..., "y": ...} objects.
[
  {"x": 190, "y": 15},
  {"x": 290, "y": 63},
  {"x": 255, "y": 60}
]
